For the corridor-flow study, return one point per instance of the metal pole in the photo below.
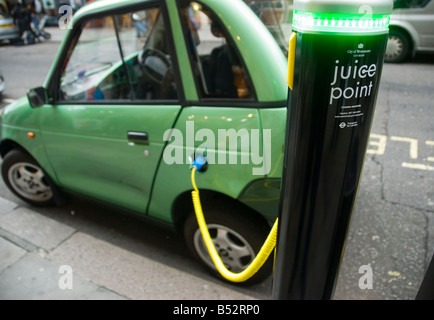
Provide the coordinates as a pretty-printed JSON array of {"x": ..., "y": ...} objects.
[
  {"x": 334, "y": 74},
  {"x": 426, "y": 290}
]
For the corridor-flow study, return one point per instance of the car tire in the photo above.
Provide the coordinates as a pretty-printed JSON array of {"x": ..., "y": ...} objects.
[
  {"x": 238, "y": 236},
  {"x": 26, "y": 179},
  {"x": 398, "y": 47}
]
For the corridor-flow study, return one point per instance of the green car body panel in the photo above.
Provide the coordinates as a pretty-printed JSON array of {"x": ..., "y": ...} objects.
[{"x": 84, "y": 148}]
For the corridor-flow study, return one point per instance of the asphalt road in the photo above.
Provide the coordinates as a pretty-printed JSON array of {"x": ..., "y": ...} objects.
[{"x": 392, "y": 229}]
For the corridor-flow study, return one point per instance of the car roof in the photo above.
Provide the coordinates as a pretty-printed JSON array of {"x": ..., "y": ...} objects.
[{"x": 96, "y": 6}]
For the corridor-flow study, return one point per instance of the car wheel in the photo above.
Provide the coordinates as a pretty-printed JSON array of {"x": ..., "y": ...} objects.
[
  {"x": 398, "y": 47},
  {"x": 237, "y": 236},
  {"x": 26, "y": 179}
]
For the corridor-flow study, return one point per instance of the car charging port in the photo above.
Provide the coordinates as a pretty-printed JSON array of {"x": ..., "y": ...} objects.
[{"x": 200, "y": 163}]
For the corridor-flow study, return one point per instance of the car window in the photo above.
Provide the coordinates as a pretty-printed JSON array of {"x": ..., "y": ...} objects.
[
  {"x": 277, "y": 17},
  {"x": 217, "y": 66},
  {"x": 397, "y": 4},
  {"x": 122, "y": 57}
]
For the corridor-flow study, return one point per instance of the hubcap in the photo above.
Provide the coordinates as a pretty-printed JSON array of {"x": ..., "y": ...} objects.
[
  {"x": 395, "y": 47},
  {"x": 29, "y": 181},
  {"x": 234, "y": 251}
]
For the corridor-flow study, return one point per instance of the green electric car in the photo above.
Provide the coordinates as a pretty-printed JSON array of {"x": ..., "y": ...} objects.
[{"x": 138, "y": 89}]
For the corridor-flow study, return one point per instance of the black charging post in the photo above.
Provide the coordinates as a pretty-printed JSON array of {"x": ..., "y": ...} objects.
[{"x": 336, "y": 57}]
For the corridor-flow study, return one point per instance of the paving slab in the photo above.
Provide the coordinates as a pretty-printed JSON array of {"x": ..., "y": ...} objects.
[
  {"x": 35, "y": 278},
  {"x": 9, "y": 254},
  {"x": 6, "y": 206},
  {"x": 35, "y": 228},
  {"x": 134, "y": 276}
]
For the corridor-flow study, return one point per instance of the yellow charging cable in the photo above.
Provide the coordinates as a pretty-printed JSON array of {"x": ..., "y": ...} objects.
[{"x": 256, "y": 264}]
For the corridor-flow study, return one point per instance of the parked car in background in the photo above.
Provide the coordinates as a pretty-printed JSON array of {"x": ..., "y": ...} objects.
[
  {"x": 411, "y": 29},
  {"x": 8, "y": 31}
]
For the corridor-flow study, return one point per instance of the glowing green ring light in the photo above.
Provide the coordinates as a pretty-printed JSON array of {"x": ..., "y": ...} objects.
[{"x": 340, "y": 23}]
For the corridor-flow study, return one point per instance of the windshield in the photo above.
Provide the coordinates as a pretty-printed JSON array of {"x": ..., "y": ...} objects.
[{"x": 277, "y": 17}]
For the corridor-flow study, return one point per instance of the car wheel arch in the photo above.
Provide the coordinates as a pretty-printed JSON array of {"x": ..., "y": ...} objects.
[
  {"x": 411, "y": 36},
  {"x": 400, "y": 46},
  {"x": 183, "y": 206},
  {"x": 8, "y": 145}
]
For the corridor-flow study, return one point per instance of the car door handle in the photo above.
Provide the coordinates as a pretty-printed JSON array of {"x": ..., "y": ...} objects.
[{"x": 138, "y": 137}]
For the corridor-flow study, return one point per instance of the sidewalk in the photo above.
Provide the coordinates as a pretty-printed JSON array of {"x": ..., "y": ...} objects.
[{"x": 33, "y": 248}]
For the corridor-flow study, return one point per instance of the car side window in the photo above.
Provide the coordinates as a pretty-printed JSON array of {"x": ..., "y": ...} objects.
[
  {"x": 217, "y": 66},
  {"x": 397, "y": 4},
  {"x": 122, "y": 57}
]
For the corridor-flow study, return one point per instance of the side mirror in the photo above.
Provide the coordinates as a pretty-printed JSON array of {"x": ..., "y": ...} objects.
[{"x": 37, "y": 97}]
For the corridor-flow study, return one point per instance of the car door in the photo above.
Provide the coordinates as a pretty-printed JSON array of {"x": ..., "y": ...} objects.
[
  {"x": 115, "y": 95},
  {"x": 227, "y": 103},
  {"x": 222, "y": 116}
]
